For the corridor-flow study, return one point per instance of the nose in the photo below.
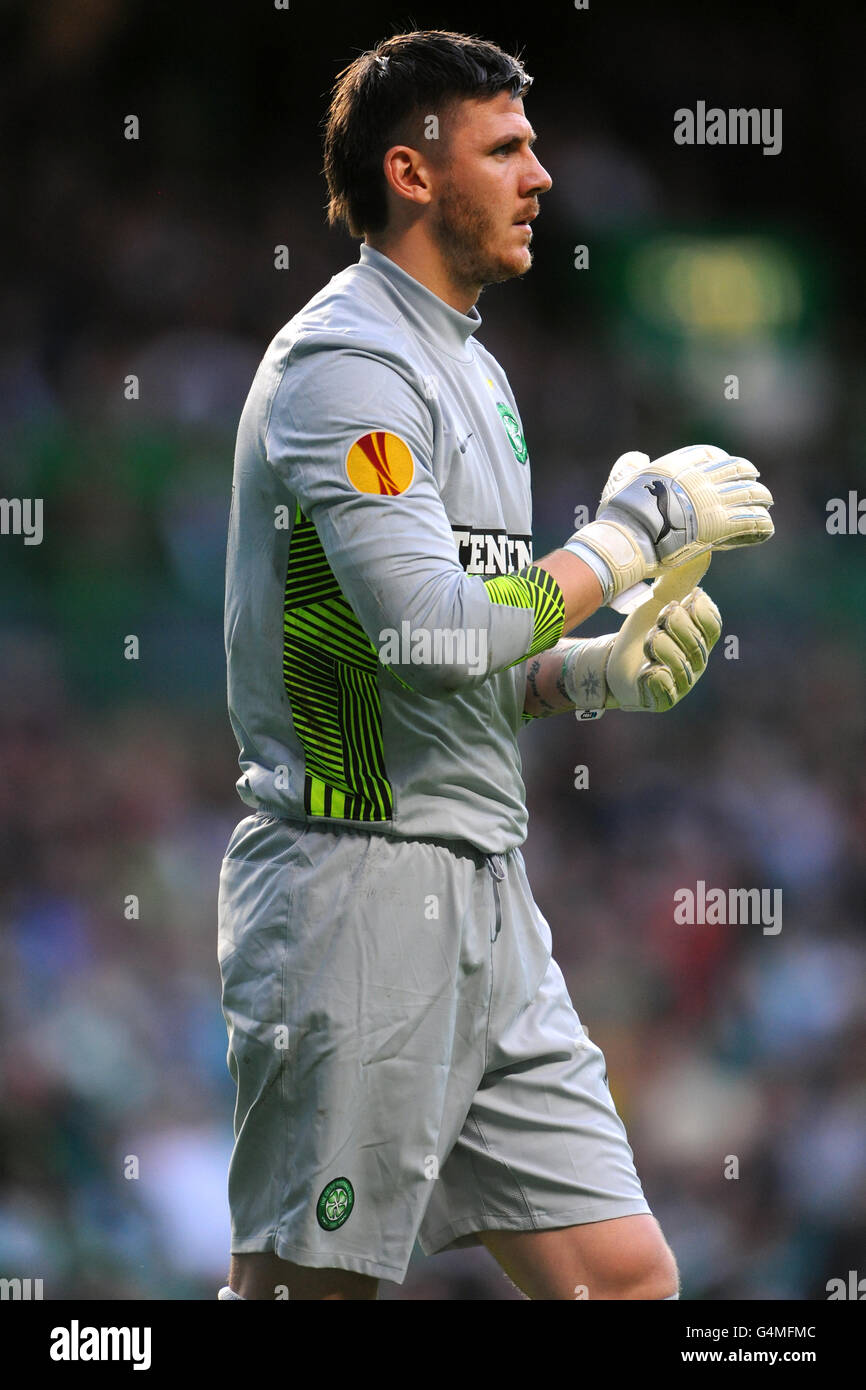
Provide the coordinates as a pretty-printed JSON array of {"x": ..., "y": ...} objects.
[{"x": 540, "y": 179}]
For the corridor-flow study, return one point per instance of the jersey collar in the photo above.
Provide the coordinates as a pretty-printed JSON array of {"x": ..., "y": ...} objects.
[{"x": 429, "y": 315}]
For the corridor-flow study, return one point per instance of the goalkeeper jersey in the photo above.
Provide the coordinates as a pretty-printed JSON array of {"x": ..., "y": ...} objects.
[{"x": 381, "y": 599}]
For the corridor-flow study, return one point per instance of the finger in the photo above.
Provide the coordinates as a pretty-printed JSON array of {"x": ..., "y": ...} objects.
[
  {"x": 752, "y": 527},
  {"x": 746, "y": 494},
  {"x": 679, "y": 624},
  {"x": 730, "y": 469},
  {"x": 660, "y": 648},
  {"x": 658, "y": 689},
  {"x": 625, "y": 466},
  {"x": 706, "y": 616}
]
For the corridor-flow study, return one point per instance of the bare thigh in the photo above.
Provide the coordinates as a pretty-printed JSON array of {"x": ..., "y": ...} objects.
[
  {"x": 626, "y": 1257},
  {"x": 265, "y": 1275}
]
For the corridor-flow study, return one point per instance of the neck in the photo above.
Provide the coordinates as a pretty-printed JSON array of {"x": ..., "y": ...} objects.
[{"x": 426, "y": 265}]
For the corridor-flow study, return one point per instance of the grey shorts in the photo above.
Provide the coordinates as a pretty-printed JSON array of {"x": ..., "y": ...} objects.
[{"x": 408, "y": 1062}]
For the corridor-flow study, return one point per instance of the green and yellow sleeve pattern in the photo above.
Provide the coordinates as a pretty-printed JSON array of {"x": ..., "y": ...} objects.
[{"x": 533, "y": 588}]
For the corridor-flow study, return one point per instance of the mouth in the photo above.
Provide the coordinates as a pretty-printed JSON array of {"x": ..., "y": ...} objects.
[{"x": 525, "y": 221}]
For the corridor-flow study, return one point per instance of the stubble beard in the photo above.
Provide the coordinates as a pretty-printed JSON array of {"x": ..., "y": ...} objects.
[{"x": 464, "y": 232}]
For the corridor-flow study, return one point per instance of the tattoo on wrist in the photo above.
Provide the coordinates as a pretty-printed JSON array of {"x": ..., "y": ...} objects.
[{"x": 531, "y": 677}]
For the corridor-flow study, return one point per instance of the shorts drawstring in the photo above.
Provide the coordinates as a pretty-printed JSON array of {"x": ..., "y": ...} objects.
[{"x": 496, "y": 865}]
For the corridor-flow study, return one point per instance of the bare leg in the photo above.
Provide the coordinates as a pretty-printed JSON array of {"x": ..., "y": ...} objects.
[
  {"x": 626, "y": 1257},
  {"x": 265, "y": 1275}
]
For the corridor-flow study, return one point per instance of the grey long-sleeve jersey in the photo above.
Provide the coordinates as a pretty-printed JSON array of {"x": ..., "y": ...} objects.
[{"x": 381, "y": 598}]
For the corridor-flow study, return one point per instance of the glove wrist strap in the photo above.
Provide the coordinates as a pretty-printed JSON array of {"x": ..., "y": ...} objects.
[
  {"x": 613, "y": 553},
  {"x": 583, "y": 676}
]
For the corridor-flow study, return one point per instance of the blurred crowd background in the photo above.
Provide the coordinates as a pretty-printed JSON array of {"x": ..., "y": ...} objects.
[{"x": 155, "y": 258}]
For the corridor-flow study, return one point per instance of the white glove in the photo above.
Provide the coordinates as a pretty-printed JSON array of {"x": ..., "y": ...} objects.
[
  {"x": 659, "y": 653},
  {"x": 654, "y": 516}
]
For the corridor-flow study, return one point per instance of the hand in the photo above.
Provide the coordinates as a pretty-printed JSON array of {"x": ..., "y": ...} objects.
[
  {"x": 663, "y": 646},
  {"x": 655, "y": 516},
  {"x": 659, "y": 653}
]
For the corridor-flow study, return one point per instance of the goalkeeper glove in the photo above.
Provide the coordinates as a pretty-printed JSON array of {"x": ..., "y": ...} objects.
[
  {"x": 654, "y": 516},
  {"x": 659, "y": 653}
]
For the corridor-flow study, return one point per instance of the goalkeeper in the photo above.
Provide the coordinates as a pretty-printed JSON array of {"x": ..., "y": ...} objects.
[{"x": 408, "y": 1062}]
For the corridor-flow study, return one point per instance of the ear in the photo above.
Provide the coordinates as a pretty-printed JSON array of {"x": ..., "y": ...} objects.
[{"x": 409, "y": 175}]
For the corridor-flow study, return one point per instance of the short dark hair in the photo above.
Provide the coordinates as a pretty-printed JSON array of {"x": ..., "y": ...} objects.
[{"x": 379, "y": 99}]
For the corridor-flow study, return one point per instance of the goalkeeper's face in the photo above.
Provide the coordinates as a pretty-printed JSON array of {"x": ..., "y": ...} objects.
[{"x": 488, "y": 192}]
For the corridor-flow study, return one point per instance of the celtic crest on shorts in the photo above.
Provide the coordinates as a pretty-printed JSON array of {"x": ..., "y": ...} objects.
[{"x": 335, "y": 1204}]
